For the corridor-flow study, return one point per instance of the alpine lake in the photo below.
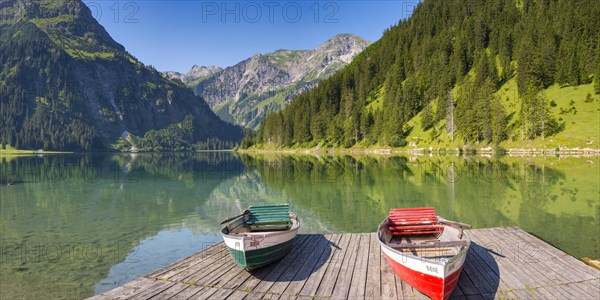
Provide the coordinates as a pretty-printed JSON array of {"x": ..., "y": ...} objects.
[{"x": 76, "y": 225}]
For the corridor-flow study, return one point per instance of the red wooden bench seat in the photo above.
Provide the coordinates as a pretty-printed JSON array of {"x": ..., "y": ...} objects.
[{"x": 413, "y": 221}]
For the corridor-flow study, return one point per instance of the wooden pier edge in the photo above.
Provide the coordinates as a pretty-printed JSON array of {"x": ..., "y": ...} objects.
[{"x": 502, "y": 263}]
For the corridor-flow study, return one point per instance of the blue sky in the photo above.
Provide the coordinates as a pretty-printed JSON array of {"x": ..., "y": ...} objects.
[{"x": 174, "y": 35}]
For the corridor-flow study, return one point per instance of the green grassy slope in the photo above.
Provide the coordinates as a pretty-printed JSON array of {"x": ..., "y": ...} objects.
[{"x": 581, "y": 119}]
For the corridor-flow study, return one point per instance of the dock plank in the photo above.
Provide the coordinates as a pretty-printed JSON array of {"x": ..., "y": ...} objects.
[
  {"x": 506, "y": 269},
  {"x": 481, "y": 259},
  {"x": 484, "y": 281},
  {"x": 284, "y": 270},
  {"x": 388, "y": 280},
  {"x": 527, "y": 255},
  {"x": 205, "y": 282},
  {"x": 557, "y": 254},
  {"x": 466, "y": 285},
  {"x": 299, "y": 267},
  {"x": 551, "y": 261},
  {"x": 127, "y": 290},
  {"x": 513, "y": 263},
  {"x": 170, "y": 292},
  {"x": 359, "y": 277},
  {"x": 223, "y": 286},
  {"x": 249, "y": 285},
  {"x": 352, "y": 266},
  {"x": 342, "y": 284},
  {"x": 313, "y": 282},
  {"x": 542, "y": 260},
  {"x": 204, "y": 268},
  {"x": 500, "y": 263},
  {"x": 265, "y": 283},
  {"x": 316, "y": 260},
  {"x": 325, "y": 288},
  {"x": 373, "y": 284},
  {"x": 156, "y": 288},
  {"x": 189, "y": 261},
  {"x": 485, "y": 278}
]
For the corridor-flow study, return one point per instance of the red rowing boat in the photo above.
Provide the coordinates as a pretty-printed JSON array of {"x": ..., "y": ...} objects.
[{"x": 425, "y": 250}]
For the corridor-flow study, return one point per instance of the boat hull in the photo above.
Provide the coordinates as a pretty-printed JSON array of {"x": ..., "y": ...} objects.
[
  {"x": 253, "y": 259},
  {"x": 434, "y": 277},
  {"x": 435, "y": 283},
  {"x": 255, "y": 250}
]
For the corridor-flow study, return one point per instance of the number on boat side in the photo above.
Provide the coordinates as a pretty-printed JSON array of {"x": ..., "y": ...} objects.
[{"x": 432, "y": 269}]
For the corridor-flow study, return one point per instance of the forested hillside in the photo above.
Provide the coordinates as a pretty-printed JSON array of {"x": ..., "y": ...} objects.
[
  {"x": 444, "y": 71},
  {"x": 65, "y": 84}
]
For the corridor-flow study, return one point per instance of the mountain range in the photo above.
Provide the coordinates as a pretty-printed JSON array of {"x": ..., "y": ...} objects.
[
  {"x": 244, "y": 93},
  {"x": 65, "y": 84}
]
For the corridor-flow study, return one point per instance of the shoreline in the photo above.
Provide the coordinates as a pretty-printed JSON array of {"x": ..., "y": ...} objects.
[
  {"x": 30, "y": 152},
  {"x": 514, "y": 152},
  {"x": 384, "y": 151}
]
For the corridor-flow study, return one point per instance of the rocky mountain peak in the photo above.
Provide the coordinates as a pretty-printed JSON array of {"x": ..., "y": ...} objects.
[
  {"x": 343, "y": 39},
  {"x": 59, "y": 19},
  {"x": 202, "y": 71},
  {"x": 344, "y": 47},
  {"x": 246, "y": 92},
  {"x": 195, "y": 73}
]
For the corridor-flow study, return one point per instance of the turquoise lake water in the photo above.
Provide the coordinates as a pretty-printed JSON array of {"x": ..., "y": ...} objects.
[{"x": 75, "y": 225}]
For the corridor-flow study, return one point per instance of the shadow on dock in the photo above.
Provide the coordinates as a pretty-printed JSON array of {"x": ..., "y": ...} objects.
[
  {"x": 481, "y": 274},
  {"x": 308, "y": 255}
]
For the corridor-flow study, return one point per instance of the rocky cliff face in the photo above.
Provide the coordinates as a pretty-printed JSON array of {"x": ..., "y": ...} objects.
[
  {"x": 67, "y": 85},
  {"x": 195, "y": 73},
  {"x": 246, "y": 92}
]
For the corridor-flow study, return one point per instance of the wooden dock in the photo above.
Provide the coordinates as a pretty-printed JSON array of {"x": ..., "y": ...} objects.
[{"x": 502, "y": 263}]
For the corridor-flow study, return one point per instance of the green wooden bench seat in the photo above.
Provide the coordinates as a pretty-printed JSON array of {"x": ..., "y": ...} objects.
[{"x": 269, "y": 216}]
